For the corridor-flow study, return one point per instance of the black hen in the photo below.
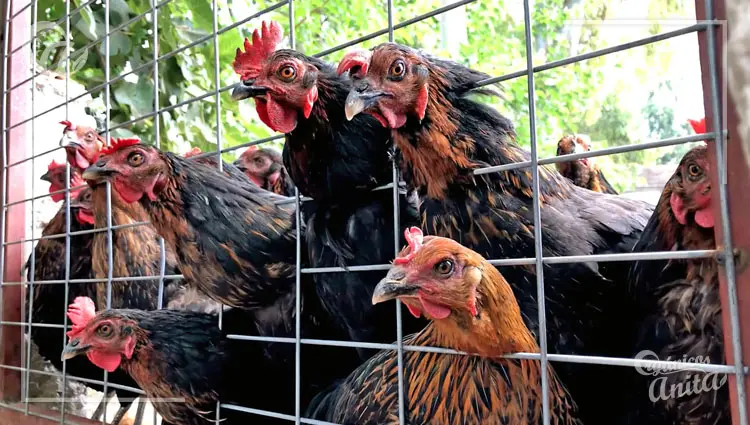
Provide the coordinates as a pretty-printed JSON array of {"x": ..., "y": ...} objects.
[
  {"x": 679, "y": 305},
  {"x": 185, "y": 362},
  {"x": 443, "y": 136},
  {"x": 336, "y": 162}
]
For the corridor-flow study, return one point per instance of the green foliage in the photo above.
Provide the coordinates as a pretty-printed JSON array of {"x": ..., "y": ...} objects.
[{"x": 568, "y": 99}]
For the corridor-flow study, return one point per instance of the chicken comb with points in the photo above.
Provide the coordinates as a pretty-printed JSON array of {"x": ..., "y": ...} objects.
[
  {"x": 118, "y": 144},
  {"x": 248, "y": 63},
  {"x": 360, "y": 58},
  {"x": 80, "y": 313},
  {"x": 192, "y": 152},
  {"x": 699, "y": 127},
  {"x": 414, "y": 238},
  {"x": 54, "y": 164},
  {"x": 68, "y": 126}
]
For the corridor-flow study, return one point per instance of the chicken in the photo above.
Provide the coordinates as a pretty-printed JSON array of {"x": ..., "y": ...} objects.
[
  {"x": 48, "y": 299},
  {"x": 680, "y": 303},
  {"x": 443, "y": 136},
  {"x": 472, "y": 309},
  {"x": 55, "y": 176},
  {"x": 184, "y": 360},
  {"x": 265, "y": 168},
  {"x": 136, "y": 249},
  {"x": 582, "y": 172},
  {"x": 337, "y": 163},
  {"x": 234, "y": 241},
  {"x": 301, "y": 96},
  {"x": 230, "y": 170},
  {"x": 205, "y": 218}
]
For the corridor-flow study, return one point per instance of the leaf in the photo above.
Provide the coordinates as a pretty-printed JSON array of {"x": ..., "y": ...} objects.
[
  {"x": 203, "y": 15},
  {"x": 139, "y": 97},
  {"x": 85, "y": 23},
  {"x": 119, "y": 12}
]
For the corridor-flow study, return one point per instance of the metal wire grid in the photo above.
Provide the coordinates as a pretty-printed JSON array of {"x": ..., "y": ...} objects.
[{"x": 709, "y": 26}]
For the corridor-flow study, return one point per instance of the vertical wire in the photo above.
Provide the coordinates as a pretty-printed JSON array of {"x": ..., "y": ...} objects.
[
  {"x": 217, "y": 85},
  {"x": 297, "y": 269},
  {"x": 219, "y": 162},
  {"x": 396, "y": 246},
  {"x": 33, "y": 195},
  {"x": 157, "y": 139},
  {"x": 728, "y": 248},
  {"x": 538, "y": 249},
  {"x": 67, "y": 211},
  {"x": 108, "y": 187},
  {"x": 5, "y": 131}
]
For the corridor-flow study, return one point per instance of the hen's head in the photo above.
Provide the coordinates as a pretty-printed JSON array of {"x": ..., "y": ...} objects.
[
  {"x": 260, "y": 165},
  {"x": 105, "y": 337},
  {"x": 283, "y": 82},
  {"x": 82, "y": 144},
  {"x": 55, "y": 175},
  {"x": 135, "y": 170},
  {"x": 570, "y": 144},
  {"x": 437, "y": 277},
  {"x": 389, "y": 82},
  {"x": 82, "y": 207},
  {"x": 691, "y": 189}
]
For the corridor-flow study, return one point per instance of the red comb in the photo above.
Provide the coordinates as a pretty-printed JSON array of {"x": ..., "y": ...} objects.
[
  {"x": 699, "y": 127},
  {"x": 118, "y": 144},
  {"x": 414, "y": 238},
  {"x": 193, "y": 152},
  {"x": 248, "y": 64},
  {"x": 80, "y": 313},
  {"x": 52, "y": 165},
  {"x": 68, "y": 125},
  {"x": 354, "y": 58}
]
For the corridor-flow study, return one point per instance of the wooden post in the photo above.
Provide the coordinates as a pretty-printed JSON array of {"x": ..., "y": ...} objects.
[
  {"x": 738, "y": 182},
  {"x": 18, "y": 69}
]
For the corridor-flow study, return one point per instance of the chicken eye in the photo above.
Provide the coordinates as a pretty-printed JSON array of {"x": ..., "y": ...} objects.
[
  {"x": 135, "y": 159},
  {"x": 397, "y": 70},
  {"x": 287, "y": 73},
  {"x": 694, "y": 170},
  {"x": 104, "y": 330},
  {"x": 444, "y": 267}
]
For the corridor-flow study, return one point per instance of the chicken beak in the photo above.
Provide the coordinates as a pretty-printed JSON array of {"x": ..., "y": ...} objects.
[
  {"x": 393, "y": 286},
  {"x": 357, "y": 102},
  {"x": 97, "y": 173},
  {"x": 246, "y": 89},
  {"x": 47, "y": 176},
  {"x": 239, "y": 165},
  {"x": 74, "y": 348}
]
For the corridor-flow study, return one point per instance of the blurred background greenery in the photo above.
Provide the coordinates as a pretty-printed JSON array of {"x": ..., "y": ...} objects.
[{"x": 633, "y": 96}]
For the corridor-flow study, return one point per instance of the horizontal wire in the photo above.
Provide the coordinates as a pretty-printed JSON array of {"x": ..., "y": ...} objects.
[
  {"x": 599, "y": 258},
  {"x": 385, "y": 31},
  {"x": 560, "y": 358},
  {"x": 601, "y": 152},
  {"x": 73, "y": 377},
  {"x": 102, "y": 280},
  {"x": 78, "y": 232},
  {"x": 702, "y": 26}
]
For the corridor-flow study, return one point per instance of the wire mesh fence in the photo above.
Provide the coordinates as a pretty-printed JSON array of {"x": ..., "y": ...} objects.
[{"x": 23, "y": 30}]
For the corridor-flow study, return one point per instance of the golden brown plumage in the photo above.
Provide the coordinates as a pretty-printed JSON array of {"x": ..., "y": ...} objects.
[
  {"x": 582, "y": 172},
  {"x": 472, "y": 309}
]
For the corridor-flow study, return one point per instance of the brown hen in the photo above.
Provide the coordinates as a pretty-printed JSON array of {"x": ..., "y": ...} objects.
[
  {"x": 473, "y": 310},
  {"x": 582, "y": 172}
]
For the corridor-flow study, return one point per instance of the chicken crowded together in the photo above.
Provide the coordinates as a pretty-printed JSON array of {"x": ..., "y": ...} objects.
[{"x": 231, "y": 233}]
